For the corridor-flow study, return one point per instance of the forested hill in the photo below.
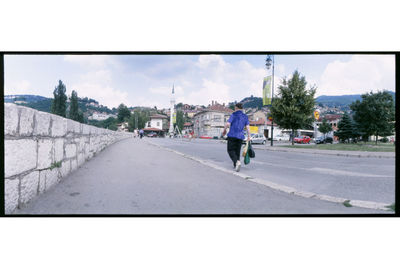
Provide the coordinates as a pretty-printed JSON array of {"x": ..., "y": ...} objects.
[
  {"x": 44, "y": 104},
  {"x": 342, "y": 100},
  {"x": 325, "y": 100}
]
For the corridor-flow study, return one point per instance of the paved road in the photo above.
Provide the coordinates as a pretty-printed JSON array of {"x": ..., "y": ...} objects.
[
  {"x": 370, "y": 179},
  {"x": 133, "y": 177}
]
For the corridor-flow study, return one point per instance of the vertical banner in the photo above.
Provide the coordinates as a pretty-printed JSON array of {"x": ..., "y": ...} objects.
[
  {"x": 174, "y": 118},
  {"x": 267, "y": 91}
]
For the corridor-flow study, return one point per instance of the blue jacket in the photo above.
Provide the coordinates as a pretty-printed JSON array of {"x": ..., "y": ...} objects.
[{"x": 238, "y": 121}]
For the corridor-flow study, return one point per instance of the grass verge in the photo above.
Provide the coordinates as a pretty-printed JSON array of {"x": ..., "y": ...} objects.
[{"x": 348, "y": 147}]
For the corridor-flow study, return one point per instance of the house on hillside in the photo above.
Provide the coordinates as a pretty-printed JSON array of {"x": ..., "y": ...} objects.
[
  {"x": 123, "y": 127},
  {"x": 210, "y": 122},
  {"x": 158, "y": 123}
]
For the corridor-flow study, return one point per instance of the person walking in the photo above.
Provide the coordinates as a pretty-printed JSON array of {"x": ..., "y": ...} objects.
[
  {"x": 236, "y": 123},
  {"x": 141, "y": 132}
]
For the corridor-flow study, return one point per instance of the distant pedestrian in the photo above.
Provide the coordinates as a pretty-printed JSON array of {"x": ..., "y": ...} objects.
[
  {"x": 236, "y": 123},
  {"x": 141, "y": 133}
]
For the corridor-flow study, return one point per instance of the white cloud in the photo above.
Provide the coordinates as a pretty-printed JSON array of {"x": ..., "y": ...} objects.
[
  {"x": 104, "y": 94},
  {"x": 362, "y": 73},
  {"x": 98, "y": 84},
  {"x": 91, "y": 61},
  {"x": 210, "y": 91},
  {"x": 17, "y": 87},
  {"x": 167, "y": 91}
]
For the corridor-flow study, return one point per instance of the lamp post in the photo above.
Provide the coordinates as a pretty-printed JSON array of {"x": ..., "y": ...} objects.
[{"x": 268, "y": 63}]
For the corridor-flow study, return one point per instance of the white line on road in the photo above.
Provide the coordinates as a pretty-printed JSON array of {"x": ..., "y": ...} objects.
[
  {"x": 283, "y": 188},
  {"x": 333, "y": 172}
]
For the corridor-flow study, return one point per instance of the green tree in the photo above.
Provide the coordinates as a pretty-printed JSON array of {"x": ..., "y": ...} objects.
[
  {"x": 59, "y": 104},
  {"x": 325, "y": 127},
  {"x": 73, "y": 106},
  {"x": 346, "y": 128},
  {"x": 180, "y": 119},
  {"x": 375, "y": 114},
  {"x": 293, "y": 107},
  {"x": 123, "y": 113}
]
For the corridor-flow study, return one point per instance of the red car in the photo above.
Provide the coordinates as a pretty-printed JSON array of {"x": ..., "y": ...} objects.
[{"x": 302, "y": 139}]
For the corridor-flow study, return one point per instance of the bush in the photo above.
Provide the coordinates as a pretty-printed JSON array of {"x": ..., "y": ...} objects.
[{"x": 384, "y": 140}]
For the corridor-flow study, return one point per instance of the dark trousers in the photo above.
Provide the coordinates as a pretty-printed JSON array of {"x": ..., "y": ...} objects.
[{"x": 234, "y": 147}]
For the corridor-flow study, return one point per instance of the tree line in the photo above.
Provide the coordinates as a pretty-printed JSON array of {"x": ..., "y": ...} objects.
[{"x": 293, "y": 109}]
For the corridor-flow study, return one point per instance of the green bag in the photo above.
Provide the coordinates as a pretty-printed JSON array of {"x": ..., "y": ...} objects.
[{"x": 247, "y": 158}]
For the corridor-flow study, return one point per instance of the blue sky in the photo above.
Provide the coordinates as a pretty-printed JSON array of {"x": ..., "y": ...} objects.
[{"x": 146, "y": 80}]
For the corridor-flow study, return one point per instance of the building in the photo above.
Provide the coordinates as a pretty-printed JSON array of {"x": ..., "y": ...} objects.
[
  {"x": 101, "y": 116},
  {"x": 211, "y": 121},
  {"x": 123, "y": 127},
  {"x": 333, "y": 120},
  {"x": 187, "y": 128},
  {"x": 158, "y": 124}
]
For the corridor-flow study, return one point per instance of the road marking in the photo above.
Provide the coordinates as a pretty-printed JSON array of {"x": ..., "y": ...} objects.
[
  {"x": 328, "y": 171},
  {"x": 335, "y": 172},
  {"x": 283, "y": 188}
]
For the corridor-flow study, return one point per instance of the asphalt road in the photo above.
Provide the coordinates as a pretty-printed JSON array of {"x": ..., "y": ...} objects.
[
  {"x": 134, "y": 177},
  {"x": 370, "y": 179}
]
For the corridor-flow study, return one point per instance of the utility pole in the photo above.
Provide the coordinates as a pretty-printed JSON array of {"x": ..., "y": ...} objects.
[{"x": 268, "y": 64}]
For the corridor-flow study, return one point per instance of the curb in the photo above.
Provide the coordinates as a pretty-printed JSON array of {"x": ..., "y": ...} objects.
[{"x": 283, "y": 188}]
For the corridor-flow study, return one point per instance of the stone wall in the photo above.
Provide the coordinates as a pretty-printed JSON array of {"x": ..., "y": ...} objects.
[{"x": 42, "y": 148}]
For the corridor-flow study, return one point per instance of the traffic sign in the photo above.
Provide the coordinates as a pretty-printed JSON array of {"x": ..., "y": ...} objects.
[{"x": 316, "y": 115}]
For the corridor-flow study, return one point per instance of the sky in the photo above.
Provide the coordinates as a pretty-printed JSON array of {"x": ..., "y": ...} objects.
[{"x": 147, "y": 80}]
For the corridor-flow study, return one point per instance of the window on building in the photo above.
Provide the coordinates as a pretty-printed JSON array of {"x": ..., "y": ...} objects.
[{"x": 158, "y": 123}]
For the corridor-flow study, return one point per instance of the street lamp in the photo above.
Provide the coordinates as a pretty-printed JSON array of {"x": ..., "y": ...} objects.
[{"x": 268, "y": 63}]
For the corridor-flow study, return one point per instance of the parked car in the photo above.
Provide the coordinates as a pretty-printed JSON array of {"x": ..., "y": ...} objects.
[
  {"x": 282, "y": 137},
  {"x": 304, "y": 139},
  {"x": 255, "y": 139},
  {"x": 322, "y": 140},
  {"x": 152, "y": 134},
  {"x": 258, "y": 139}
]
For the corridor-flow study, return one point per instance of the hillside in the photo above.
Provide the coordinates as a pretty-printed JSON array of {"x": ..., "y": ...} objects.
[
  {"x": 86, "y": 105},
  {"x": 340, "y": 101}
]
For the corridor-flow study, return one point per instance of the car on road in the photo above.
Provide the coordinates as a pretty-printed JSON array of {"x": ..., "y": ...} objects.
[
  {"x": 322, "y": 140},
  {"x": 304, "y": 139}
]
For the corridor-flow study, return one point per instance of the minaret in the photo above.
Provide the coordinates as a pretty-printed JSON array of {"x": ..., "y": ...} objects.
[{"x": 171, "y": 124}]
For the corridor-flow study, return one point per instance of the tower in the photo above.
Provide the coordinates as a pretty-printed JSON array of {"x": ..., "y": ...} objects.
[{"x": 171, "y": 124}]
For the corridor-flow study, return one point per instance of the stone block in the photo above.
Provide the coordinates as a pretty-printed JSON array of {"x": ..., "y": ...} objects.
[
  {"x": 52, "y": 178},
  {"x": 26, "y": 122},
  {"x": 29, "y": 187},
  {"x": 70, "y": 150},
  {"x": 74, "y": 164},
  {"x": 73, "y": 127},
  {"x": 45, "y": 153},
  {"x": 10, "y": 119},
  {"x": 11, "y": 195},
  {"x": 81, "y": 159},
  {"x": 42, "y": 181},
  {"x": 65, "y": 168},
  {"x": 59, "y": 126},
  {"x": 85, "y": 129},
  {"x": 42, "y": 123},
  {"x": 58, "y": 149},
  {"x": 19, "y": 156}
]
